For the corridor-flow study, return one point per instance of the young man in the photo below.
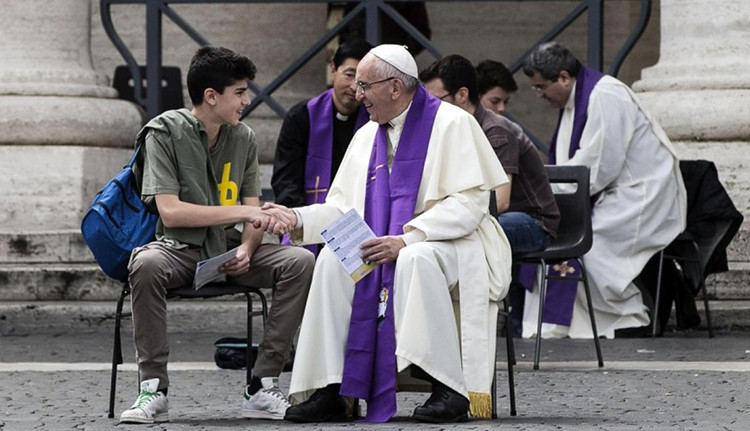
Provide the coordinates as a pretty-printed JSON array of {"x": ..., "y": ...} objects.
[
  {"x": 495, "y": 84},
  {"x": 200, "y": 170},
  {"x": 638, "y": 197},
  {"x": 427, "y": 201},
  {"x": 316, "y": 133},
  {"x": 527, "y": 210}
]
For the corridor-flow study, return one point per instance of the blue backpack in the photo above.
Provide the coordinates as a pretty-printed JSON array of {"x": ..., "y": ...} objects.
[{"x": 117, "y": 222}]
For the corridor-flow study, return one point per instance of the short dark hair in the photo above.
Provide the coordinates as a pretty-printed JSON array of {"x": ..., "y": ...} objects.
[
  {"x": 549, "y": 59},
  {"x": 455, "y": 72},
  {"x": 355, "y": 49},
  {"x": 216, "y": 67},
  {"x": 492, "y": 74}
]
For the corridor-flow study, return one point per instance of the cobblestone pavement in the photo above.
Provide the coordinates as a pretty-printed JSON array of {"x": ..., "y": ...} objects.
[{"x": 682, "y": 382}]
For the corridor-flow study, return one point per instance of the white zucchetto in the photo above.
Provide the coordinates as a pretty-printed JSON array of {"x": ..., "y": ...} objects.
[{"x": 397, "y": 56}]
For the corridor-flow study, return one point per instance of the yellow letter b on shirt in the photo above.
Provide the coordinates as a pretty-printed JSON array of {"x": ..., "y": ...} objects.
[{"x": 227, "y": 188}]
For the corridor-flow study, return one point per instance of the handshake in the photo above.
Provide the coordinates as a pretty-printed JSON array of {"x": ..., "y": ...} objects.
[{"x": 275, "y": 219}]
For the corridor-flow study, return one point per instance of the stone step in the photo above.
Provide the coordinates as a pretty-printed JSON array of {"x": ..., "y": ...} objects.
[
  {"x": 739, "y": 249},
  {"x": 731, "y": 285},
  {"x": 56, "y": 282},
  {"x": 86, "y": 281},
  {"x": 44, "y": 247},
  {"x": 185, "y": 316},
  {"x": 69, "y": 246}
]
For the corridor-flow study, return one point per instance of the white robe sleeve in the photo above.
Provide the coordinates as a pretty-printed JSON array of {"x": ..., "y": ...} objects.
[
  {"x": 606, "y": 137},
  {"x": 454, "y": 217}
]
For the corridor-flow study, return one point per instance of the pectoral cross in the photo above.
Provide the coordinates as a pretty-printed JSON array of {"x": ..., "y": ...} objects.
[
  {"x": 317, "y": 190},
  {"x": 564, "y": 269}
]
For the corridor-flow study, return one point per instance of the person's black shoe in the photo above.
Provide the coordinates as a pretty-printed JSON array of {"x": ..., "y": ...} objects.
[
  {"x": 444, "y": 406},
  {"x": 325, "y": 405}
]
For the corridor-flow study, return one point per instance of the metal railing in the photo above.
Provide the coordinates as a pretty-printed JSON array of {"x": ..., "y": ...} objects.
[{"x": 156, "y": 9}]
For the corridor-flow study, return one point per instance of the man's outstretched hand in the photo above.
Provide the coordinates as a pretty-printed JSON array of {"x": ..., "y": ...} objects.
[{"x": 276, "y": 219}]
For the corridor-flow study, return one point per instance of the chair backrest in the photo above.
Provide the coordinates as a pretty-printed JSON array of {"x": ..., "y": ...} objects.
[
  {"x": 171, "y": 86},
  {"x": 572, "y": 196}
]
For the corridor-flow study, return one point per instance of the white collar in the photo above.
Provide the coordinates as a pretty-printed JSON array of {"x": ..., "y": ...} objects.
[
  {"x": 571, "y": 103},
  {"x": 399, "y": 121},
  {"x": 341, "y": 117}
]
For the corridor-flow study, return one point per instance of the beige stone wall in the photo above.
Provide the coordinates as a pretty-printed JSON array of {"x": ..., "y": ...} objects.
[
  {"x": 273, "y": 35},
  {"x": 503, "y": 31}
]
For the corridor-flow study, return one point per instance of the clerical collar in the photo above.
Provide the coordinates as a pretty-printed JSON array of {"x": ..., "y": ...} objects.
[
  {"x": 399, "y": 121},
  {"x": 571, "y": 103},
  {"x": 341, "y": 117}
]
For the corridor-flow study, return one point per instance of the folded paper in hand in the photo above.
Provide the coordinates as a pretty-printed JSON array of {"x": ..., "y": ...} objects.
[
  {"x": 208, "y": 270},
  {"x": 344, "y": 237}
]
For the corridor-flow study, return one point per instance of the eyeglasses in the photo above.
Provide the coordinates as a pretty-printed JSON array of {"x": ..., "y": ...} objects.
[
  {"x": 539, "y": 88},
  {"x": 364, "y": 86},
  {"x": 445, "y": 95}
]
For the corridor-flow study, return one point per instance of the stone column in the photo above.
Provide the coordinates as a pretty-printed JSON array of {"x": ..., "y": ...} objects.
[
  {"x": 700, "y": 89},
  {"x": 700, "y": 93},
  {"x": 59, "y": 121}
]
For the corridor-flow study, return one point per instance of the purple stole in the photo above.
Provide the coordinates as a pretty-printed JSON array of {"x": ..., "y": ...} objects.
[
  {"x": 390, "y": 199},
  {"x": 561, "y": 294},
  {"x": 317, "y": 180}
]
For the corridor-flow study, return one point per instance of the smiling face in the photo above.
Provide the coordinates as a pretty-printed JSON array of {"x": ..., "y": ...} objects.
[
  {"x": 377, "y": 93},
  {"x": 228, "y": 105},
  {"x": 344, "y": 86},
  {"x": 496, "y": 99},
  {"x": 555, "y": 92}
]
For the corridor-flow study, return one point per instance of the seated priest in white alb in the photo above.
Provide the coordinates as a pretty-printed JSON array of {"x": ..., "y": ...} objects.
[
  {"x": 639, "y": 204},
  {"x": 420, "y": 173}
]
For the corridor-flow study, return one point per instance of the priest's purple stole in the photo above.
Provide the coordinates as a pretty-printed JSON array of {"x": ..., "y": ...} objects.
[
  {"x": 318, "y": 164},
  {"x": 390, "y": 199},
  {"x": 561, "y": 294}
]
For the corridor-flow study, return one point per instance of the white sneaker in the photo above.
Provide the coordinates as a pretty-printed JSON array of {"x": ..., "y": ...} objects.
[
  {"x": 150, "y": 407},
  {"x": 267, "y": 403}
]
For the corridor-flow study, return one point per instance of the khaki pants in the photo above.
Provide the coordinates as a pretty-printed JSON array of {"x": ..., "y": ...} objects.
[{"x": 155, "y": 269}]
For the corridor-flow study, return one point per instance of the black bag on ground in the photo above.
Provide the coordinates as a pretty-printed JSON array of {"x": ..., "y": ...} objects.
[{"x": 231, "y": 354}]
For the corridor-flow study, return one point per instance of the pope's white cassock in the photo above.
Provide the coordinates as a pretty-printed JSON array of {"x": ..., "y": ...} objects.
[
  {"x": 453, "y": 245},
  {"x": 640, "y": 208}
]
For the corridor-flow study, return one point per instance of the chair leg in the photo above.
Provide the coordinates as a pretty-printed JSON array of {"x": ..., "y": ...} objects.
[
  {"x": 116, "y": 350},
  {"x": 263, "y": 306},
  {"x": 655, "y": 313},
  {"x": 249, "y": 347},
  {"x": 493, "y": 390},
  {"x": 708, "y": 311},
  {"x": 591, "y": 313},
  {"x": 703, "y": 288},
  {"x": 511, "y": 361},
  {"x": 542, "y": 299},
  {"x": 509, "y": 327}
]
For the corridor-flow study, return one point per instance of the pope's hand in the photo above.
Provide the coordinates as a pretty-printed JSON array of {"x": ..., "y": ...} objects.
[
  {"x": 381, "y": 250},
  {"x": 277, "y": 219}
]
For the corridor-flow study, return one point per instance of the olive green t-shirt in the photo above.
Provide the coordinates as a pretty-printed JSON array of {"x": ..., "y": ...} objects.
[{"x": 178, "y": 161}]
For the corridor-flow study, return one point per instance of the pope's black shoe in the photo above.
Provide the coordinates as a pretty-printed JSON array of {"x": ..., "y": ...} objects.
[
  {"x": 325, "y": 405},
  {"x": 444, "y": 406}
]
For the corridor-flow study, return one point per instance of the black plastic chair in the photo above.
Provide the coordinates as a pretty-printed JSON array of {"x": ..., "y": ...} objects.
[
  {"x": 212, "y": 290},
  {"x": 689, "y": 248},
  {"x": 712, "y": 222},
  {"x": 573, "y": 240},
  {"x": 171, "y": 86}
]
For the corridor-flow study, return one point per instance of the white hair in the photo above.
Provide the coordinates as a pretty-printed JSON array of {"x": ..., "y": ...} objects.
[{"x": 386, "y": 70}]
